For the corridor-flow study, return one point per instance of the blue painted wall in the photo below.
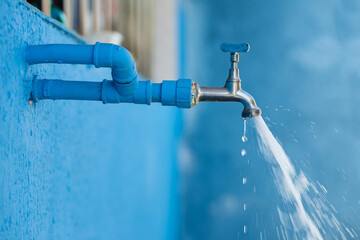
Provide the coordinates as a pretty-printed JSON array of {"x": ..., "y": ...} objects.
[
  {"x": 78, "y": 170},
  {"x": 303, "y": 69}
]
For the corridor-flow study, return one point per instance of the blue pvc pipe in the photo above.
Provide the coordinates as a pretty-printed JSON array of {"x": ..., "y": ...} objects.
[
  {"x": 70, "y": 90},
  {"x": 170, "y": 93},
  {"x": 156, "y": 92},
  {"x": 123, "y": 66},
  {"x": 59, "y": 53},
  {"x": 119, "y": 59}
]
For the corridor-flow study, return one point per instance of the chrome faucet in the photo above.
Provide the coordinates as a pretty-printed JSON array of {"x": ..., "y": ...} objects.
[{"x": 232, "y": 91}]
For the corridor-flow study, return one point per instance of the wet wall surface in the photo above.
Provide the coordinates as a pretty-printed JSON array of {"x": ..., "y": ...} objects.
[
  {"x": 303, "y": 70},
  {"x": 78, "y": 170}
]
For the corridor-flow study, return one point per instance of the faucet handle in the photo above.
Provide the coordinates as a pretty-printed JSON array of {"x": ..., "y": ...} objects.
[{"x": 235, "y": 48}]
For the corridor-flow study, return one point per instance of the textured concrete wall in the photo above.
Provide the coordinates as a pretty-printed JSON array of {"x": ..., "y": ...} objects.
[
  {"x": 78, "y": 170},
  {"x": 303, "y": 69}
]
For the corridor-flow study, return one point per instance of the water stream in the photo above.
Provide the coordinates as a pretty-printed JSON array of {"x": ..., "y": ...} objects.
[{"x": 305, "y": 213}]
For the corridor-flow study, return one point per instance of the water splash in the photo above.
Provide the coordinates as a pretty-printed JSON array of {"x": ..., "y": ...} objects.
[{"x": 297, "y": 190}]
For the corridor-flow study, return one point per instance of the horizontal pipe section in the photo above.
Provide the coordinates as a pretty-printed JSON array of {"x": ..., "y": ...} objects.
[
  {"x": 171, "y": 93},
  {"x": 68, "y": 90},
  {"x": 60, "y": 53},
  {"x": 215, "y": 94},
  {"x": 156, "y": 92}
]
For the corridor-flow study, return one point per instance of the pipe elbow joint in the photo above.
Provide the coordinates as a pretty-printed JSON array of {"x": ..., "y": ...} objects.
[{"x": 123, "y": 67}]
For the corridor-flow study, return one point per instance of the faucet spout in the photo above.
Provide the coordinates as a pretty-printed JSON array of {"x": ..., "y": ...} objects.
[
  {"x": 232, "y": 92},
  {"x": 250, "y": 107}
]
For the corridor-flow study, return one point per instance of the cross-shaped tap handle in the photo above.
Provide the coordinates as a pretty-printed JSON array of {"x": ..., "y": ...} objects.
[{"x": 235, "y": 49}]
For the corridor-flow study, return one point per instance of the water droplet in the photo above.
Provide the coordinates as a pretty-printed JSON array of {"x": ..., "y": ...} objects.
[
  {"x": 244, "y": 206},
  {"x": 243, "y": 152},
  {"x": 244, "y": 138},
  {"x": 244, "y": 180},
  {"x": 245, "y": 230}
]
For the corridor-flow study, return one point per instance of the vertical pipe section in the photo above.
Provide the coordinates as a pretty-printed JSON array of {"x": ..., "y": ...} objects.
[
  {"x": 96, "y": 15},
  {"x": 84, "y": 9},
  {"x": 46, "y": 7},
  {"x": 68, "y": 13},
  {"x": 108, "y": 15}
]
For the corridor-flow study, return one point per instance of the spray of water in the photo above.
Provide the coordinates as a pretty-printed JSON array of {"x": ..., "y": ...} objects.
[{"x": 312, "y": 222}]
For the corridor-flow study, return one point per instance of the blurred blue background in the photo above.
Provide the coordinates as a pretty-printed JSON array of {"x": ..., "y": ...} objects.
[
  {"x": 303, "y": 69},
  {"x": 82, "y": 170}
]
